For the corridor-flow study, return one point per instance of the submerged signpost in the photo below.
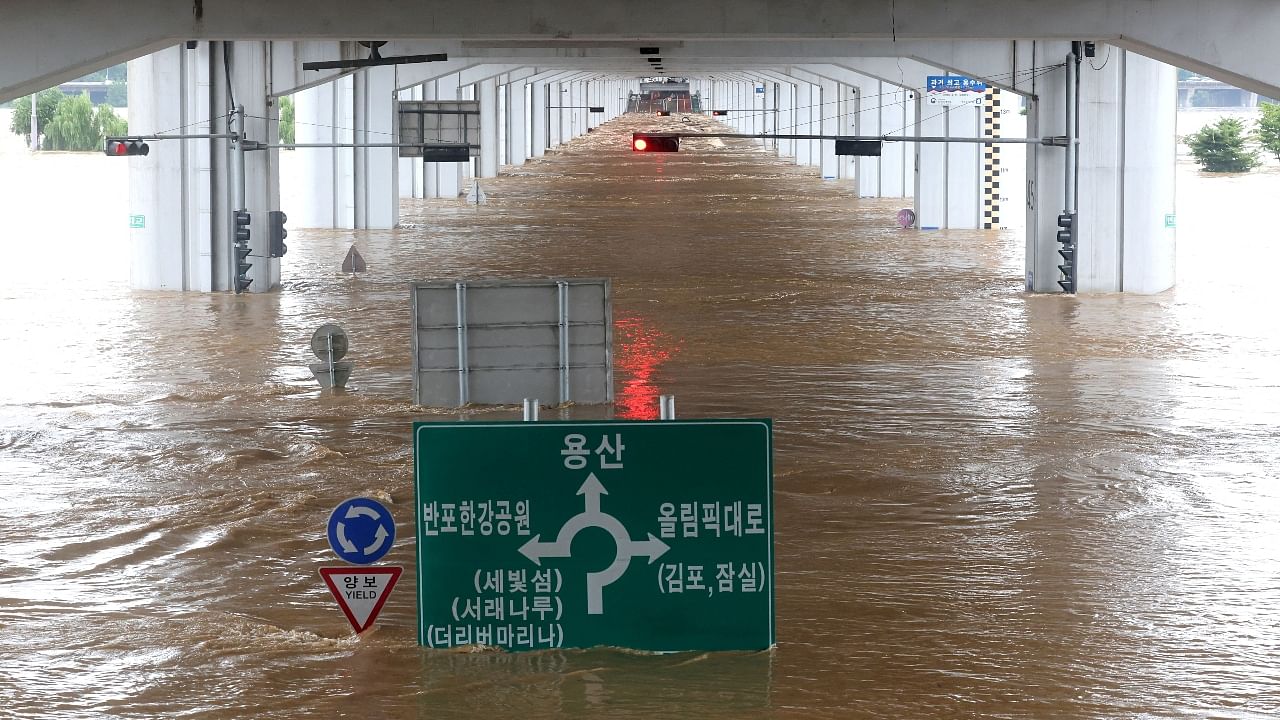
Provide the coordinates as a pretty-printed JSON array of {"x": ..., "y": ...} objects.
[{"x": 647, "y": 535}]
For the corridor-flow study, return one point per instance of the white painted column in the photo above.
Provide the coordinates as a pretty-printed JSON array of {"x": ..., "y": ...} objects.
[
  {"x": 410, "y": 168},
  {"x": 448, "y": 175},
  {"x": 377, "y": 169},
  {"x": 171, "y": 187},
  {"x": 517, "y": 140},
  {"x": 1126, "y": 182},
  {"x": 867, "y": 122},
  {"x": 845, "y": 124},
  {"x": 538, "y": 118},
  {"x": 931, "y": 169},
  {"x": 770, "y": 118},
  {"x": 804, "y": 113},
  {"x": 324, "y": 114},
  {"x": 430, "y": 170},
  {"x": 314, "y": 123},
  {"x": 830, "y": 109},
  {"x": 964, "y": 169},
  {"x": 786, "y": 118},
  {"x": 249, "y": 75},
  {"x": 488, "y": 95},
  {"x": 894, "y": 167}
]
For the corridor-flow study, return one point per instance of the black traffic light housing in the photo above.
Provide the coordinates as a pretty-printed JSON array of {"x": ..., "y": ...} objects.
[
  {"x": 240, "y": 220},
  {"x": 1068, "y": 234},
  {"x": 655, "y": 142},
  {"x": 719, "y": 112},
  {"x": 125, "y": 147},
  {"x": 276, "y": 233}
]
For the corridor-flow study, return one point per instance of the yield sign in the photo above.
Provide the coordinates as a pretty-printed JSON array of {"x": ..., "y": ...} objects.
[{"x": 361, "y": 591}]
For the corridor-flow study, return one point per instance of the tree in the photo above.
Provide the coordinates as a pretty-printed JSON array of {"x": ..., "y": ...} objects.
[
  {"x": 286, "y": 120},
  {"x": 78, "y": 126},
  {"x": 108, "y": 123},
  {"x": 1269, "y": 128},
  {"x": 1221, "y": 147},
  {"x": 47, "y": 104},
  {"x": 73, "y": 126}
]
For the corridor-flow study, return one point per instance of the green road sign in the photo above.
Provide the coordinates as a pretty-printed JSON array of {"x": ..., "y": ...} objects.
[{"x": 646, "y": 535}]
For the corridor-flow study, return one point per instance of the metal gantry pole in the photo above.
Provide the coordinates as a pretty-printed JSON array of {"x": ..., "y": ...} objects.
[
  {"x": 530, "y": 409},
  {"x": 35, "y": 120},
  {"x": 667, "y": 407}
]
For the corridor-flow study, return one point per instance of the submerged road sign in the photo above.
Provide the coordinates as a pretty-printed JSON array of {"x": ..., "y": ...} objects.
[
  {"x": 361, "y": 591},
  {"x": 647, "y": 535},
  {"x": 361, "y": 530}
]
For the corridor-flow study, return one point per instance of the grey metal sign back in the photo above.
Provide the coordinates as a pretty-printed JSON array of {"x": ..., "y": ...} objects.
[
  {"x": 437, "y": 124},
  {"x": 496, "y": 342}
]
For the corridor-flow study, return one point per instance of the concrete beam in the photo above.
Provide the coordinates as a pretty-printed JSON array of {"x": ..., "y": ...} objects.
[{"x": 44, "y": 42}]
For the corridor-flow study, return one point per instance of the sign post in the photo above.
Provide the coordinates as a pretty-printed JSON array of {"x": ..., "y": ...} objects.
[{"x": 648, "y": 535}]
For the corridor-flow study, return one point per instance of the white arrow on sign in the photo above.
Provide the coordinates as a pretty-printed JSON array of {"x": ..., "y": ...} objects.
[
  {"x": 379, "y": 537},
  {"x": 593, "y": 516}
]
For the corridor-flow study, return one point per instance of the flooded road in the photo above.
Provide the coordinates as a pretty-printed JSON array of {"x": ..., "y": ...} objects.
[{"x": 988, "y": 503}]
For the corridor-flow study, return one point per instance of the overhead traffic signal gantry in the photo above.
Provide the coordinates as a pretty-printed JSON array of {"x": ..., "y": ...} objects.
[
  {"x": 655, "y": 142},
  {"x": 125, "y": 147}
]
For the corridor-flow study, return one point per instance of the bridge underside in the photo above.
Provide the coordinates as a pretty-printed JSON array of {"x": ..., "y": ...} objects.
[{"x": 851, "y": 68}]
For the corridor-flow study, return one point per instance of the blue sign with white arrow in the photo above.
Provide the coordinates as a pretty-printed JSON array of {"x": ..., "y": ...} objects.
[{"x": 361, "y": 530}]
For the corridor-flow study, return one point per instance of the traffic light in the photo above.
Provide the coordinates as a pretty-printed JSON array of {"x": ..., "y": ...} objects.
[
  {"x": 242, "y": 226},
  {"x": 655, "y": 142},
  {"x": 277, "y": 233},
  {"x": 241, "y": 219},
  {"x": 125, "y": 147},
  {"x": 719, "y": 112},
  {"x": 1067, "y": 235}
]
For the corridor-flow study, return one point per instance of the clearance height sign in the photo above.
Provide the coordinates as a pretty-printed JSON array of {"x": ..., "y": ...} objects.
[{"x": 646, "y": 535}]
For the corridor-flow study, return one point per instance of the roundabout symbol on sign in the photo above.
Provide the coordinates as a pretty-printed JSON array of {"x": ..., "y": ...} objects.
[
  {"x": 361, "y": 530},
  {"x": 592, "y": 516}
]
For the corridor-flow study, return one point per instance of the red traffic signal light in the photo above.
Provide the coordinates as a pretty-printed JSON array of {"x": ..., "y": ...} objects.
[
  {"x": 655, "y": 142},
  {"x": 125, "y": 147},
  {"x": 719, "y": 112}
]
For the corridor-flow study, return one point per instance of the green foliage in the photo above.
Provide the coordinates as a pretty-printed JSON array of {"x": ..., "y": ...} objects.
[
  {"x": 78, "y": 126},
  {"x": 118, "y": 93},
  {"x": 286, "y": 120},
  {"x": 108, "y": 123},
  {"x": 1269, "y": 128},
  {"x": 1221, "y": 147},
  {"x": 73, "y": 126},
  {"x": 47, "y": 104}
]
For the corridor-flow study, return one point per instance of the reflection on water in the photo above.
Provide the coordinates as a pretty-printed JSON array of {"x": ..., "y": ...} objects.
[{"x": 989, "y": 504}]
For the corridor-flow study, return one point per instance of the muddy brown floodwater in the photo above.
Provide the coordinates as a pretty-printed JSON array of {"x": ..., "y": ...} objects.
[{"x": 988, "y": 503}]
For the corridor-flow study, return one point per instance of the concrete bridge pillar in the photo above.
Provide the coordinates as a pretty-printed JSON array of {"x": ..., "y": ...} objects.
[
  {"x": 325, "y": 114},
  {"x": 517, "y": 119},
  {"x": 171, "y": 189},
  {"x": 411, "y": 170},
  {"x": 538, "y": 92},
  {"x": 447, "y": 175},
  {"x": 377, "y": 169},
  {"x": 897, "y": 117},
  {"x": 846, "y": 124},
  {"x": 181, "y": 189},
  {"x": 804, "y": 114},
  {"x": 786, "y": 118},
  {"x": 488, "y": 94},
  {"x": 948, "y": 176},
  {"x": 1126, "y": 179},
  {"x": 829, "y": 108}
]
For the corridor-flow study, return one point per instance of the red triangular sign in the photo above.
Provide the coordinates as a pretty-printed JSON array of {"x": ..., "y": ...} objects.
[{"x": 361, "y": 591}]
